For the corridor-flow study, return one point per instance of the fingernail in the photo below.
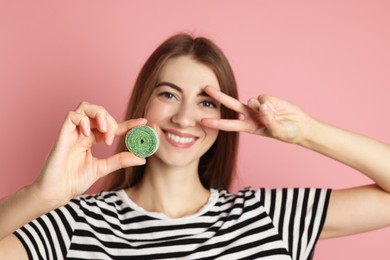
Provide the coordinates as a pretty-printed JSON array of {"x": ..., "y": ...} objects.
[
  {"x": 88, "y": 132},
  {"x": 110, "y": 140},
  {"x": 104, "y": 125},
  {"x": 264, "y": 107}
]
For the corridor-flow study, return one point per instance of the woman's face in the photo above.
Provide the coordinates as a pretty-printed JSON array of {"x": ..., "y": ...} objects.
[{"x": 176, "y": 107}]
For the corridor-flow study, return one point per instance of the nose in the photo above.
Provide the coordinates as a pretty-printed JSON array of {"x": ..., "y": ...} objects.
[{"x": 184, "y": 117}]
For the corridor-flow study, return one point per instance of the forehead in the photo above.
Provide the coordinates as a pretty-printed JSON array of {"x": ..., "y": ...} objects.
[{"x": 185, "y": 72}]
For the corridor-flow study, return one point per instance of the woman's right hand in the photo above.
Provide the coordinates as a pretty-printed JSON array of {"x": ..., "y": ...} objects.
[{"x": 71, "y": 168}]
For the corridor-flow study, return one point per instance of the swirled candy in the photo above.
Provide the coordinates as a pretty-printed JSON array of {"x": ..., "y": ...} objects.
[{"x": 142, "y": 141}]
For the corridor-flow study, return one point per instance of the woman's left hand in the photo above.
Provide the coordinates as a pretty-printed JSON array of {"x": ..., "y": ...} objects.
[{"x": 265, "y": 115}]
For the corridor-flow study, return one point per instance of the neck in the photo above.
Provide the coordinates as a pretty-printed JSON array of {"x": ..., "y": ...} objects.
[{"x": 175, "y": 191}]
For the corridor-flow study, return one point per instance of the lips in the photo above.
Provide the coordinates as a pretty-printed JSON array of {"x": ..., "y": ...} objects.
[{"x": 179, "y": 139}]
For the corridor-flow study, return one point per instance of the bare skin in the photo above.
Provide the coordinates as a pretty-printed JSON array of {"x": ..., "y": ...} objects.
[
  {"x": 272, "y": 117},
  {"x": 70, "y": 168},
  {"x": 187, "y": 113}
]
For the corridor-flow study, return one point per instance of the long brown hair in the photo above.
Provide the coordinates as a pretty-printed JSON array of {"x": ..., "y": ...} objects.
[{"x": 217, "y": 166}]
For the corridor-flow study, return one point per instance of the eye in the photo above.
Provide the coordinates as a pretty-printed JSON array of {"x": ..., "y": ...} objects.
[
  {"x": 208, "y": 104},
  {"x": 167, "y": 95}
]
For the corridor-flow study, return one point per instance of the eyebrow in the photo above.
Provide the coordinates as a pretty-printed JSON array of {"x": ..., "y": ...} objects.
[{"x": 179, "y": 89}]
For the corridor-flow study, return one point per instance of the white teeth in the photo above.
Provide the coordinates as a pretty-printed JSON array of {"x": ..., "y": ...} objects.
[{"x": 178, "y": 139}]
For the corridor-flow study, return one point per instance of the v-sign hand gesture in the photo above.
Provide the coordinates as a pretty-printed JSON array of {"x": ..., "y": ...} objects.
[{"x": 265, "y": 115}]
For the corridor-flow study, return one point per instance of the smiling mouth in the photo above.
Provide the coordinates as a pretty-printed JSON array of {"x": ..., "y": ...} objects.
[{"x": 179, "y": 139}]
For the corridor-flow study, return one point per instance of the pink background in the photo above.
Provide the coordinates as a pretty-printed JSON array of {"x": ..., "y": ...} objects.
[{"x": 330, "y": 57}]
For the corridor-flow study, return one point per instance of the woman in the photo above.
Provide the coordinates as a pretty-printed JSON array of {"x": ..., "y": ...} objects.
[{"x": 175, "y": 204}]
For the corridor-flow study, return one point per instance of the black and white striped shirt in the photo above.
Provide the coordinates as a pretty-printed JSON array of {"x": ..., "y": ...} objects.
[{"x": 252, "y": 224}]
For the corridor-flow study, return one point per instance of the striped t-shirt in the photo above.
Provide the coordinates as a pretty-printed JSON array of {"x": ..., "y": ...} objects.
[{"x": 251, "y": 224}]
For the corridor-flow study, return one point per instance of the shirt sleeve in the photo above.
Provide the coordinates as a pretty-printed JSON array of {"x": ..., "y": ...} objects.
[
  {"x": 49, "y": 236},
  {"x": 298, "y": 214}
]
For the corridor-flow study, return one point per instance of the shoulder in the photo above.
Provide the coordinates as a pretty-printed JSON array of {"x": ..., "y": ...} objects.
[
  {"x": 275, "y": 195},
  {"x": 243, "y": 194},
  {"x": 108, "y": 197},
  {"x": 100, "y": 202},
  {"x": 270, "y": 197},
  {"x": 240, "y": 200}
]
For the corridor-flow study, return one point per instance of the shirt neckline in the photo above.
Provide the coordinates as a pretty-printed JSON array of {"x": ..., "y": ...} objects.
[{"x": 213, "y": 198}]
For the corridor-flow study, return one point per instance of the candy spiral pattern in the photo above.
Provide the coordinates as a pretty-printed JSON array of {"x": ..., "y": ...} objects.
[{"x": 142, "y": 141}]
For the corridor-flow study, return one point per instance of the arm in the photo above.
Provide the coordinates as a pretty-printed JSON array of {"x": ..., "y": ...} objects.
[
  {"x": 12, "y": 248},
  {"x": 28, "y": 200},
  {"x": 359, "y": 209},
  {"x": 70, "y": 168},
  {"x": 366, "y": 155},
  {"x": 350, "y": 211}
]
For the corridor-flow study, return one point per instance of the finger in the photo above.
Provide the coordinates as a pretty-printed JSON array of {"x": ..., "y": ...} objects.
[
  {"x": 225, "y": 124},
  {"x": 95, "y": 112},
  {"x": 254, "y": 104},
  {"x": 103, "y": 121},
  {"x": 127, "y": 125},
  {"x": 268, "y": 100},
  {"x": 225, "y": 100},
  {"x": 81, "y": 121},
  {"x": 267, "y": 117},
  {"x": 112, "y": 127},
  {"x": 118, "y": 161}
]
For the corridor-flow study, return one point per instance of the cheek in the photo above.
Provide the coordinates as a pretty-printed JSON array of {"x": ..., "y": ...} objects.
[
  {"x": 154, "y": 111},
  {"x": 211, "y": 133},
  {"x": 211, "y": 113}
]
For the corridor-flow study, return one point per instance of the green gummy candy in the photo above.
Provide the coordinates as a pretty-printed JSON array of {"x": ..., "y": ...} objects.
[{"x": 142, "y": 141}]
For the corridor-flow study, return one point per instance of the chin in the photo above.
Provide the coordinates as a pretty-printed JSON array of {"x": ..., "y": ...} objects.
[{"x": 178, "y": 160}]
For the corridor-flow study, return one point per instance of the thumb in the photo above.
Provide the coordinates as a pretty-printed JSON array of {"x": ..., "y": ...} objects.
[
  {"x": 254, "y": 104},
  {"x": 118, "y": 161},
  {"x": 267, "y": 118}
]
